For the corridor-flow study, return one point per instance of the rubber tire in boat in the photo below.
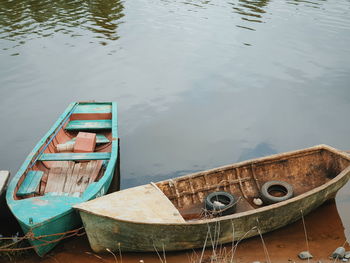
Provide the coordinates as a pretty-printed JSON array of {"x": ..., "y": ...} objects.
[
  {"x": 228, "y": 199},
  {"x": 279, "y": 186}
]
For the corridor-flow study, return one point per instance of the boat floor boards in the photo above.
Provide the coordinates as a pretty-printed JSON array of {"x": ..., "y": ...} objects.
[{"x": 70, "y": 178}]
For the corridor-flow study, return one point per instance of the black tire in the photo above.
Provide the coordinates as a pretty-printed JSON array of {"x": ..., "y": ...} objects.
[
  {"x": 228, "y": 200},
  {"x": 279, "y": 186}
]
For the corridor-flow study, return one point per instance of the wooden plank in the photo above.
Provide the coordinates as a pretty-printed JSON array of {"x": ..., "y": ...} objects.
[
  {"x": 30, "y": 183},
  {"x": 80, "y": 177},
  {"x": 75, "y": 156},
  {"x": 100, "y": 138},
  {"x": 95, "y": 172},
  {"x": 84, "y": 125},
  {"x": 53, "y": 178},
  {"x": 68, "y": 177},
  {"x": 89, "y": 172},
  {"x": 84, "y": 177},
  {"x": 71, "y": 182},
  {"x": 93, "y": 108}
]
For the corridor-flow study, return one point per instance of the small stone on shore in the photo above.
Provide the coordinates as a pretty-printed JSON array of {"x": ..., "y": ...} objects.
[
  {"x": 339, "y": 253},
  {"x": 305, "y": 255}
]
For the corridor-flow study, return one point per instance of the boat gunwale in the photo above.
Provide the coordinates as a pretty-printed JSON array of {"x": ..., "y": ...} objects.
[{"x": 344, "y": 172}]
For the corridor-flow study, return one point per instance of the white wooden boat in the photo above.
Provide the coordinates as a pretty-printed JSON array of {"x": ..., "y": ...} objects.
[{"x": 167, "y": 215}]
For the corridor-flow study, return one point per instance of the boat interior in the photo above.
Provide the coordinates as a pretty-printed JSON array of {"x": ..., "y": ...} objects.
[
  {"x": 68, "y": 162},
  {"x": 304, "y": 170}
]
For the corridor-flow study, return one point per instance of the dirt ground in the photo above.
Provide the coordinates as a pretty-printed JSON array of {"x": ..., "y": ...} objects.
[{"x": 324, "y": 228}]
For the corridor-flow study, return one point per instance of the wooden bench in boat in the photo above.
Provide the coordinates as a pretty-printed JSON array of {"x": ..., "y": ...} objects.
[
  {"x": 86, "y": 125},
  {"x": 30, "y": 183},
  {"x": 86, "y": 108},
  {"x": 75, "y": 156}
]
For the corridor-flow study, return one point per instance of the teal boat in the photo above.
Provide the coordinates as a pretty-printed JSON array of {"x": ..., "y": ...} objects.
[{"x": 57, "y": 174}]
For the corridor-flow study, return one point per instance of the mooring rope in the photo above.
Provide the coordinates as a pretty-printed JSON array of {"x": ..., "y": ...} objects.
[{"x": 30, "y": 236}]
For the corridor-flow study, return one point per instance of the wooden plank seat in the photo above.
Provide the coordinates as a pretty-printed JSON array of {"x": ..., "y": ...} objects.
[
  {"x": 100, "y": 138},
  {"x": 75, "y": 156},
  {"x": 86, "y": 108},
  {"x": 30, "y": 183},
  {"x": 86, "y": 125},
  {"x": 70, "y": 178}
]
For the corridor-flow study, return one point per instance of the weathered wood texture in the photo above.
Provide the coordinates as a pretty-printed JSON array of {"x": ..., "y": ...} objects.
[
  {"x": 304, "y": 171},
  {"x": 154, "y": 208},
  {"x": 85, "y": 125},
  {"x": 316, "y": 173},
  {"x": 31, "y": 183},
  {"x": 75, "y": 156},
  {"x": 70, "y": 178}
]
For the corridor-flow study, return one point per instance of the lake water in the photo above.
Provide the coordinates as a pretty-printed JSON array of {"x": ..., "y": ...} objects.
[{"x": 199, "y": 83}]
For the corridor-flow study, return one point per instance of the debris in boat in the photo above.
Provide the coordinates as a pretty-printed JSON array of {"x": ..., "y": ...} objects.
[
  {"x": 65, "y": 147},
  {"x": 305, "y": 255},
  {"x": 257, "y": 201},
  {"x": 339, "y": 253},
  {"x": 276, "y": 191},
  {"x": 218, "y": 203}
]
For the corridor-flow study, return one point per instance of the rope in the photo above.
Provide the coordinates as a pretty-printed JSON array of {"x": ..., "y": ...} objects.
[{"x": 30, "y": 236}]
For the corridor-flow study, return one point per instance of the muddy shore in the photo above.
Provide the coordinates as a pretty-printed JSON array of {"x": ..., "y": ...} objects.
[{"x": 324, "y": 228}]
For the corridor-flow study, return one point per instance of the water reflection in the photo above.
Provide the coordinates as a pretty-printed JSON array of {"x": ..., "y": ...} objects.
[
  {"x": 313, "y": 4},
  {"x": 26, "y": 20},
  {"x": 250, "y": 11}
]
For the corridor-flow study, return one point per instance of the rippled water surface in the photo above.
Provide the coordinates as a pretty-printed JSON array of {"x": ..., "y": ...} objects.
[{"x": 200, "y": 83}]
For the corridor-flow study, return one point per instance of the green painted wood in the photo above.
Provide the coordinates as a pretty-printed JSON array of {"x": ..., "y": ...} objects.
[
  {"x": 54, "y": 214},
  {"x": 93, "y": 108},
  {"x": 85, "y": 125},
  {"x": 30, "y": 183},
  {"x": 99, "y": 139},
  {"x": 75, "y": 156}
]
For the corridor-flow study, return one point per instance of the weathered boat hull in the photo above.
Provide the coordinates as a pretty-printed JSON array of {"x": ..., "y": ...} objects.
[
  {"x": 104, "y": 232},
  {"x": 109, "y": 230}
]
